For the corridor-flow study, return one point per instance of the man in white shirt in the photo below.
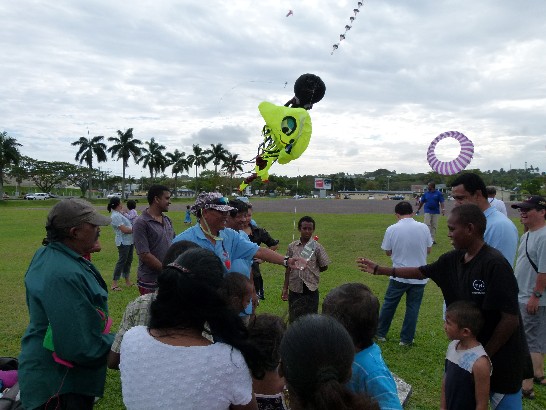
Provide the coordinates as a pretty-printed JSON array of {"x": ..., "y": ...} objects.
[
  {"x": 407, "y": 242},
  {"x": 497, "y": 203}
]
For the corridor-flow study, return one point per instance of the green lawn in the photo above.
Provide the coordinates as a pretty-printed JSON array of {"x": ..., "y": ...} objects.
[{"x": 345, "y": 237}]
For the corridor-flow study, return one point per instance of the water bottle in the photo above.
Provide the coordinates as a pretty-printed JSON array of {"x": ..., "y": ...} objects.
[{"x": 307, "y": 252}]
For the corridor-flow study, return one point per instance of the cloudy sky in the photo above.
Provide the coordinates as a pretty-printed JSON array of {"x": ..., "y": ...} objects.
[{"x": 193, "y": 72}]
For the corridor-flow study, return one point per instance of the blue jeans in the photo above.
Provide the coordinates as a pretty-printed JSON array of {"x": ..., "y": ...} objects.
[{"x": 414, "y": 296}]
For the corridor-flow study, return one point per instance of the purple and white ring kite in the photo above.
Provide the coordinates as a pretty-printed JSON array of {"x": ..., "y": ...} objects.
[{"x": 459, "y": 163}]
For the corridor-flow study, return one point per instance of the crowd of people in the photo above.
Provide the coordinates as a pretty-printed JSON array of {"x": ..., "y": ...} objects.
[{"x": 194, "y": 337}]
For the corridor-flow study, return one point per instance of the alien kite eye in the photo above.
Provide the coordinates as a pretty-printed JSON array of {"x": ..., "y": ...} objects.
[{"x": 288, "y": 125}]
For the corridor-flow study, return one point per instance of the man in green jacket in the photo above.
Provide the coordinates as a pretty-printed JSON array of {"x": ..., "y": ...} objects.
[{"x": 64, "y": 349}]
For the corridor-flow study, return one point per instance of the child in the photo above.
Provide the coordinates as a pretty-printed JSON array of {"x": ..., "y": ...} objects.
[
  {"x": 301, "y": 286},
  {"x": 187, "y": 219},
  {"x": 132, "y": 213},
  {"x": 316, "y": 357},
  {"x": 357, "y": 309},
  {"x": 265, "y": 332},
  {"x": 238, "y": 291},
  {"x": 467, "y": 366}
]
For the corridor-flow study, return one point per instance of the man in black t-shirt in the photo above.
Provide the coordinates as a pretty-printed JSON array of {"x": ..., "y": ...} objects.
[{"x": 477, "y": 272}]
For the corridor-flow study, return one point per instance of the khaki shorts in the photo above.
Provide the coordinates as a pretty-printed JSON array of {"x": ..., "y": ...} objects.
[{"x": 535, "y": 328}]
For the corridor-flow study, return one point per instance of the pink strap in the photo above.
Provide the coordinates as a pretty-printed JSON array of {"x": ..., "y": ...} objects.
[{"x": 61, "y": 361}]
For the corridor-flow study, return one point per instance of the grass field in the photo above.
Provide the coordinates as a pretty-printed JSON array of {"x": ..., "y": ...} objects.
[{"x": 345, "y": 237}]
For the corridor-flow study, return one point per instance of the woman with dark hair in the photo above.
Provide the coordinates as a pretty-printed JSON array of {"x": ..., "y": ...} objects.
[
  {"x": 123, "y": 229},
  {"x": 172, "y": 354},
  {"x": 316, "y": 357}
]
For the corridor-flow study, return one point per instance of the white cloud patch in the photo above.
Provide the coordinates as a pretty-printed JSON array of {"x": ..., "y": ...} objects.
[{"x": 188, "y": 72}]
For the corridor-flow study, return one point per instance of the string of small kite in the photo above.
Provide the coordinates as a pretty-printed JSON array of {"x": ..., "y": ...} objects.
[{"x": 347, "y": 27}]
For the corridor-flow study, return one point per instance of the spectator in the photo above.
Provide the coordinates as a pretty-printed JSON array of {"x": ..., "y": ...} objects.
[
  {"x": 301, "y": 286},
  {"x": 497, "y": 203},
  {"x": 210, "y": 232},
  {"x": 408, "y": 243},
  {"x": 531, "y": 276},
  {"x": 152, "y": 233},
  {"x": 500, "y": 233},
  {"x": 123, "y": 230},
  {"x": 357, "y": 309},
  {"x": 137, "y": 312},
  {"x": 467, "y": 367},
  {"x": 131, "y": 213},
  {"x": 258, "y": 236},
  {"x": 63, "y": 351},
  {"x": 265, "y": 332},
  {"x": 173, "y": 353},
  {"x": 316, "y": 357},
  {"x": 433, "y": 201}
]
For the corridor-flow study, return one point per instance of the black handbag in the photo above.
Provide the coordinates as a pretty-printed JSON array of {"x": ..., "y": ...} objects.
[{"x": 10, "y": 397}]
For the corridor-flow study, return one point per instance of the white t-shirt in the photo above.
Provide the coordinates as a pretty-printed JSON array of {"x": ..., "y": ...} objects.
[
  {"x": 497, "y": 203},
  {"x": 155, "y": 375},
  {"x": 408, "y": 240}
]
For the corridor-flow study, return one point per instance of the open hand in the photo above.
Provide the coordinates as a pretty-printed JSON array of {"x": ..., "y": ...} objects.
[{"x": 365, "y": 265}]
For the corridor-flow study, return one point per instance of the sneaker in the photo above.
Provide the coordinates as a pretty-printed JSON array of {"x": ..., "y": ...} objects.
[
  {"x": 381, "y": 339},
  {"x": 406, "y": 344}
]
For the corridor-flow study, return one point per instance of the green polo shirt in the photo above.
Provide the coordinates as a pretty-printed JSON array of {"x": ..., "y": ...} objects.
[{"x": 63, "y": 290}]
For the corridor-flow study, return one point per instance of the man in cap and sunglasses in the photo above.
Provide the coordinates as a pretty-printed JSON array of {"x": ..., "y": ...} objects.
[
  {"x": 64, "y": 349},
  {"x": 212, "y": 212},
  {"x": 531, "y": 276}
]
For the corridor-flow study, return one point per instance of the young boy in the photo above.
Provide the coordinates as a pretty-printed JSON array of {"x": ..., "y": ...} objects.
[
  {"x": 467, "y": 366},
  {"x": 301, "y": 286},
  {"x": 357, "y": 309}
]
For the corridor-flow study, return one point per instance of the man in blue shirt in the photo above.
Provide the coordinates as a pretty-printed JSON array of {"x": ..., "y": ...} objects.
[
  {"x": 500, "y": 232},
  {"x": 433, "y": 201},
  {"x": 210, "y": 232}
]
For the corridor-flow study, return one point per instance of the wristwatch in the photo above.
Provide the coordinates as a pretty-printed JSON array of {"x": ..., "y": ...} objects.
[
  {"x": 285, "y": 261},
  {"x": 537, "y": 294}
]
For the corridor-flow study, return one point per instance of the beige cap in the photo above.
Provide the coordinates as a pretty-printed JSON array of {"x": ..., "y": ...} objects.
[{"x": 73, "y": 212}]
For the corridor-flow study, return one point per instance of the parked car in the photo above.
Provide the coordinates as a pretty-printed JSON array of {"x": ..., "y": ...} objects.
[
  {"x": 397, "y": 197},
  {"x": 5, "y": 196},
  {"x": 114, "y": 195},
  {"x": 38, "y": 196}
]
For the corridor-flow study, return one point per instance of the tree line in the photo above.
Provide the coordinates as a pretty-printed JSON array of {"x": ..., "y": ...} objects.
[{"x": 156, "y": 159}]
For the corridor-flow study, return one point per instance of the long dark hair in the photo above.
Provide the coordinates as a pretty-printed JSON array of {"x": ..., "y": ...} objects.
[
  {"x": 188, "y": 297},
  {"x": 316, "y": 358},
  {"x": 113, "y": 203}
]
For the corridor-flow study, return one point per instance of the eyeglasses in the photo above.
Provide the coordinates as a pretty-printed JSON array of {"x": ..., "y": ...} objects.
[{"x": 524, "y": 211}]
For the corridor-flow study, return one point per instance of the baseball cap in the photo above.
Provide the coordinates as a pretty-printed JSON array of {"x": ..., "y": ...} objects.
[
  {"x": 73, "y": 212},
  {"x": 535, "y": 201},
  {"x": 211, "y": 200}
]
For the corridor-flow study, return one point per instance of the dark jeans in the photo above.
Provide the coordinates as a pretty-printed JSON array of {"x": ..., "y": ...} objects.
[
  {"x": 414, "y": 296},
  {"x": 125, "y": 259},
  {"x": 69, "y": 401},
  {"x": 300, "y": 304}
]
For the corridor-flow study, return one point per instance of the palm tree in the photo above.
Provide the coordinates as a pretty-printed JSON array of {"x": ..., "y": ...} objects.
[
  {"x": 90, "y": 147},
  {"x": 232, "y": 164},
  {"x": 199, "y": 159},
  {"x": 217, "y": 154},
  {"x": 153, "y": 158},
  {"x": 9, "y": 155},
  {"x": 125, "y": 146},
  {"x": 179, "y": 164}
]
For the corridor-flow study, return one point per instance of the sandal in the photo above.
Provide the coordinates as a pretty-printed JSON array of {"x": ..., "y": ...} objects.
[
  {"x": 539, "y": 381},
  {"x": 116, "y": 288},
  {"x": 528, "y": 394}
]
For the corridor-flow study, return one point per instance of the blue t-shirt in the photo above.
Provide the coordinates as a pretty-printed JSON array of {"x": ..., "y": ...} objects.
[
  {"x": 501, "y": 234},
  {"x": 372, "y": 377},
  {"x": 234, "y": 250},
  {"x": 432, "y": 201}
]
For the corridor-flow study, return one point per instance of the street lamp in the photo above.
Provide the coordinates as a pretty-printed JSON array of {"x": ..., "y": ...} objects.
[{"x": 388, "y": 182}]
